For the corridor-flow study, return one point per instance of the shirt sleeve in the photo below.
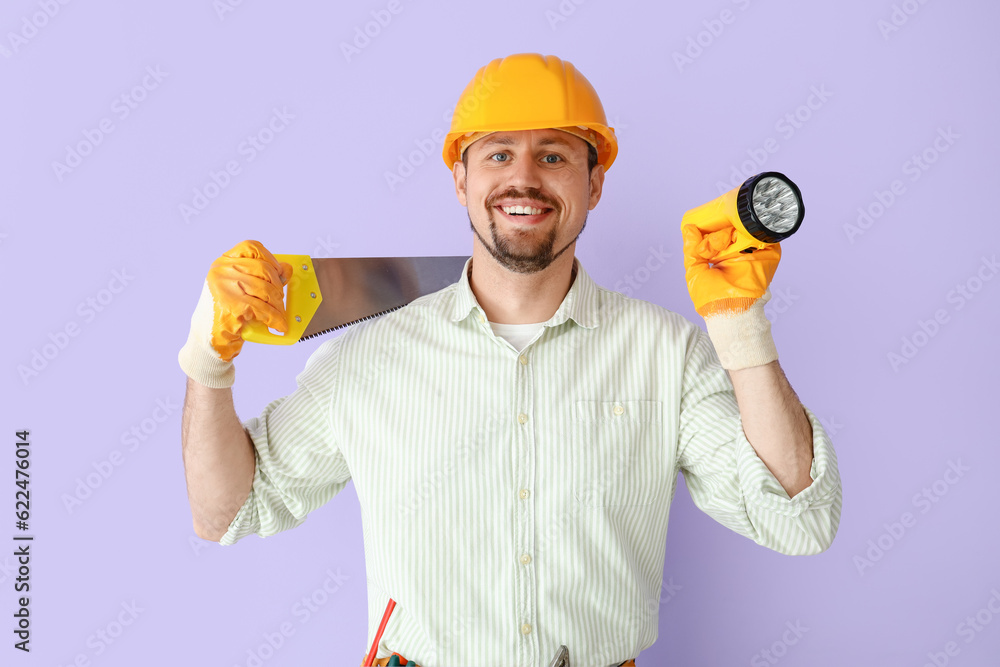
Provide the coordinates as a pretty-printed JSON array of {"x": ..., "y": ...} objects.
[
  {"x": 729, "y": 482},
  {"x": 299, "y": 466}
]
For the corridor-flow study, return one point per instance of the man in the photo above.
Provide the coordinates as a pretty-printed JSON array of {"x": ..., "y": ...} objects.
[{"x": 514, "y": 439}]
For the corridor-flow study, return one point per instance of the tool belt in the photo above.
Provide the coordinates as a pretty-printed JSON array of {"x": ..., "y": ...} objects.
[
  {"x": 400, "y": 660},
  {"x": 561, "y": 658}
]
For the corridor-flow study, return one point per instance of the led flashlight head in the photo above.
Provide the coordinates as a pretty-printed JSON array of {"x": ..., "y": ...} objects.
[
  {"x": 770, "y": 207},
  {"x": 764, "y": 210}
]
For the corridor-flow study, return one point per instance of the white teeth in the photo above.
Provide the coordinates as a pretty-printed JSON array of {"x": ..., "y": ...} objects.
[{"x": 521, "y": 209}]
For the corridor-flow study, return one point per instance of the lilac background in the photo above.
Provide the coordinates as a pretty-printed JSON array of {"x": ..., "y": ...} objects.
[{"x": 843, "y": 302}]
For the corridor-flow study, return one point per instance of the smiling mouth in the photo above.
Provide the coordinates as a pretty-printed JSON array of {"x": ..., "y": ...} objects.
[{"x": 524, "y": 218}]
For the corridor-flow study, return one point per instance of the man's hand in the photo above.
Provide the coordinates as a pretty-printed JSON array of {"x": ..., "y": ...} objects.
[
  {"x": 731, "y": 294},
  {"x": 244, "y": 284}
]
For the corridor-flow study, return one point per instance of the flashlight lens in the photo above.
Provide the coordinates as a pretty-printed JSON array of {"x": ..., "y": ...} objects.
[{"x": 776, "y": 205}]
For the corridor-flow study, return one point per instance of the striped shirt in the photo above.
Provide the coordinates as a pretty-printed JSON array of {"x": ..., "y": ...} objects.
[{"x": 531, "y": 489}]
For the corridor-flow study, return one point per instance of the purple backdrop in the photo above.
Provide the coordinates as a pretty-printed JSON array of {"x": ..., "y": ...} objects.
[{"x": 120, "y": 121}]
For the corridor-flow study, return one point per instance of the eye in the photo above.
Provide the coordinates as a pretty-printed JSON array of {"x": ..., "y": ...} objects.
[
  {"x": 496, "y": 155},
  {"x": 547, "y": 161}
]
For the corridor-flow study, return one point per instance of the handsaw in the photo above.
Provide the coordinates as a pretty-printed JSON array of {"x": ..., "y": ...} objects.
[{"x": 326, "y": 294}]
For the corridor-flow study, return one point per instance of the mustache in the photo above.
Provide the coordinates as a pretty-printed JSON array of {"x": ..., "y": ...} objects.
[{"x": 528, "y": 193}]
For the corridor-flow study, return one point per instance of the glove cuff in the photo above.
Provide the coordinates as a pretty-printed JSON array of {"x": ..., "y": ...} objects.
[
  {"x": 742, "y": 338},
  {"x": 198, "y": 359},
  {"x": 202, "y": 368}
]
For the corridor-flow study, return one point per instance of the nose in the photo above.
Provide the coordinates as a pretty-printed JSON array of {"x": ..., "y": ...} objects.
[{"x": 525, "y": 173}]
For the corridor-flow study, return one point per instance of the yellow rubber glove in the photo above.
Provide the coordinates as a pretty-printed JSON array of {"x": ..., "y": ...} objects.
[
  {"x": 244, "y": 284},
  {"x": 731, "y": 294}
]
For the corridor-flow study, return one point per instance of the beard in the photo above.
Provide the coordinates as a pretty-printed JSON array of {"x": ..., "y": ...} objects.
[{"x": 519, "y": 251}]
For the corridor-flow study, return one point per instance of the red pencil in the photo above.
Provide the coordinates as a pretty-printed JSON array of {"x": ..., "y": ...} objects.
[{"x": 370, "y": 658}]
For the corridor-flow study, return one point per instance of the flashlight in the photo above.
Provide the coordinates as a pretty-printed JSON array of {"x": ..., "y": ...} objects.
[{"x": 765, "y": 209}]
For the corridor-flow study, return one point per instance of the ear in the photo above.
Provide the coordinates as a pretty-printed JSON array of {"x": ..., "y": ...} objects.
[
  {"x": 458, "y": 173},
  {"x": 596, "y": 185}
]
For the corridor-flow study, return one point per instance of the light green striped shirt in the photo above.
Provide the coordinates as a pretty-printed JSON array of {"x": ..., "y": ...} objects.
[{"x": 531, "y": 491}]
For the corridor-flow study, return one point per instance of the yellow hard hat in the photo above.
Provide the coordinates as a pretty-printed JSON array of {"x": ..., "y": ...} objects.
[{"x": 529, "y": 91}]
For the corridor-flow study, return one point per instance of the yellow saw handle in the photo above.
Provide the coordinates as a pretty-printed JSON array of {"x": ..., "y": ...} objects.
[{"x": 302, "y": 299}]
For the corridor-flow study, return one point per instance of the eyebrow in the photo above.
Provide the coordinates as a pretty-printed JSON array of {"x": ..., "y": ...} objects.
[{"x": 509, "y": 141}]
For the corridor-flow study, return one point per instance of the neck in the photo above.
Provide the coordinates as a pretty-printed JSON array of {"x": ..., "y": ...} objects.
[{"x": 519, "y": 298}]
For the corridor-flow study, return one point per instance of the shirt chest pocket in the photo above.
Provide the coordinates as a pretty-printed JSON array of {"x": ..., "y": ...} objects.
[{"x": 618, "y": 453}]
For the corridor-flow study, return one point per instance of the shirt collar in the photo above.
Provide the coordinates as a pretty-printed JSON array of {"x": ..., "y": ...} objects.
[{"x": 580, "y": 303}]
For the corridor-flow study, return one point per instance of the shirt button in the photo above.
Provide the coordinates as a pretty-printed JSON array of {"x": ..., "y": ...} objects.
[
  {"x": 525, "y": 493},
  {"x": 481, "y": 318},
  {"x": 525, "y": 559},
  {"x": 523, "y": 359},
  {"x": 526, "y": 629},
  {"x": 618, "y": 410},
  {"x": 522, "y": 418}
]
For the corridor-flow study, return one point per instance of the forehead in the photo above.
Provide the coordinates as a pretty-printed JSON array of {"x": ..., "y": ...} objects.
[{"x": 536, "y": 137}]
